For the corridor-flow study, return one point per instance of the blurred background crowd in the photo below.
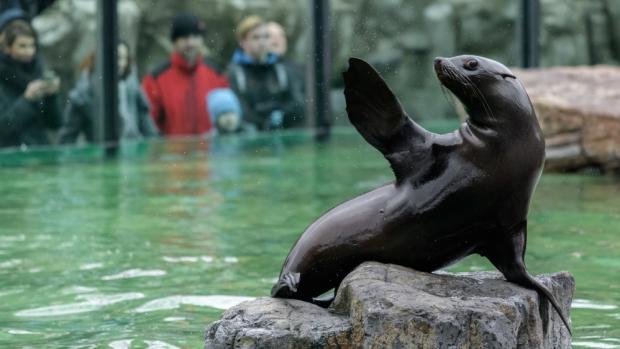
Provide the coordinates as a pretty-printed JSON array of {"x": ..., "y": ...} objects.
[
  {"x": 186, "y": 94},
  {"x": 253, "y": 54}
]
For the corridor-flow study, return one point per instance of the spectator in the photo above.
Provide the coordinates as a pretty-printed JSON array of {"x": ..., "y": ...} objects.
[
  {"x": 11, "y": 10},
  {"x": 277, "y": 39},
  {"x": 133, "y": 107},
  {"x": 178, "y": 89},
  {"x": 28, "y": 97},
  {"x": 278, "y": 44},
  {"x": 269, "y": 96},
  {"x": 225, "y": 110}
]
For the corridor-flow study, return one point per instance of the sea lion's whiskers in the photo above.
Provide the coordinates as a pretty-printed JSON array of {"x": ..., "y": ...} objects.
[
  {"x": 446, "y": 94},
  {"x": 485, "y": 104}
]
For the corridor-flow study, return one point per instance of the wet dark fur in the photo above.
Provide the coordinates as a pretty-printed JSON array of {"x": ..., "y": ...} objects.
[{"x": 455, "y": 194}]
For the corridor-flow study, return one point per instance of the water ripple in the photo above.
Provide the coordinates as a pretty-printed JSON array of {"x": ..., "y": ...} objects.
[
  {"x": 10, "y": 263},
  {"x": 15, "y": 331},
  {"x": 174, "y": 302},
  {"x": 90, "y": 266},
  {"x": 134, "y": 273},
  {"x": 90, "y": 303},
  {"x": 587, "y": 304},
  {"x": 13, "y": 238},
  {"x": 187, "y": 259},
  {"x": 159, "y": 345},
  {"x": 121, "y": 344},
  {"x": 597, "y": 345},
  {"x": 78, "y": 290},
  {"x": 174, "y": 318}
]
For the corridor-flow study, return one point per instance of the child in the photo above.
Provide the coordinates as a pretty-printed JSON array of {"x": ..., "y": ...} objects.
[{"x": 225, "y": 110}]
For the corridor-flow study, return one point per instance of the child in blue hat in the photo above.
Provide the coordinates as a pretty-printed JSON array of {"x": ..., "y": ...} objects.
[{"x": 225, "y": 110}]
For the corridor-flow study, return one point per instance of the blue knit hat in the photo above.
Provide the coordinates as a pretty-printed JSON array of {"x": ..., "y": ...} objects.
[
  {"x": 222, "y": 100},
  {"x": 11, "y": 14}
]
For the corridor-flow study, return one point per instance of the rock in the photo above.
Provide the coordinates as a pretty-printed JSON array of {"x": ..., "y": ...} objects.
[
  {"x": 579, "y": 112},
  {"x": 389, "y": 306}
]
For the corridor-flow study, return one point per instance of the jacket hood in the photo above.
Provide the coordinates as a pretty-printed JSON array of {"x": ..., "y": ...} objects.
[{"x": 240, "y": 57}]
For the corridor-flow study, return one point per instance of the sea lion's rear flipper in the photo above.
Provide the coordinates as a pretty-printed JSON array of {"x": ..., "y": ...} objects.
[
  {"x": 507, "y": 253},
  {"x": 379, "y": 117},
  {"x": 286, "y": 287}
]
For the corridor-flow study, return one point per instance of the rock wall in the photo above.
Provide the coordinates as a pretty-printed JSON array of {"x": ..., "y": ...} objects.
[
  {"x": 401, "y": 37},
  {"x": 579, "y": 112}
]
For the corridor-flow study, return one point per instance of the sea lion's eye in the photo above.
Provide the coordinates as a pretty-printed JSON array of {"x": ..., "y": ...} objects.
[{"x": 471, "y": 64}]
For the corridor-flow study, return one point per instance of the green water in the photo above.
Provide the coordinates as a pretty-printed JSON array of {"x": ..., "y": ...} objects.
[{"x": 145, "y": 251}]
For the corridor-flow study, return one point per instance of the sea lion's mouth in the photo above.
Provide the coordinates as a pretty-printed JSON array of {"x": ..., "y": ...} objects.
[
  {"x": 449, "y": 75},
  {"x": 440, "y": 70}
]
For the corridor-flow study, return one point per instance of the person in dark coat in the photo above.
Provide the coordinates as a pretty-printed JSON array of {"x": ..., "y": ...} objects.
[
  {"x": 133, "y": 107},
  {"x": 270, "y": 96},
  {"x": 29, "y": 105}
]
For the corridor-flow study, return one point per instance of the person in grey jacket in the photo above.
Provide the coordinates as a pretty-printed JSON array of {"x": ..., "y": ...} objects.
[{"x": 133, "y": 107}]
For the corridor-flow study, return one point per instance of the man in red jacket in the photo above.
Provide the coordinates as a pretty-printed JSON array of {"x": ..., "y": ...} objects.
[{"x": 177, "y": 90}]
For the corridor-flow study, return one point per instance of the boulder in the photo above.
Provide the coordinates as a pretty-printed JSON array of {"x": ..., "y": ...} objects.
[
  {"x": 579, "y": 112},
  {"x": 389, "y": 306}
]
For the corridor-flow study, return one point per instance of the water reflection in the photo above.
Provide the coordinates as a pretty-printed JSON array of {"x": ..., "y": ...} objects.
[
  {"x": 90, "y": 303},
  {"x": 597, "y": 345},
  {"x": 174, "y": 302},
  {"x": 134, "y": 273},
  {"x": 586, "y": 304}
]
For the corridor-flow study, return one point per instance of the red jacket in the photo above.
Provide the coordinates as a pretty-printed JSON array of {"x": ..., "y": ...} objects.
[{"x": 178, "y": 95}]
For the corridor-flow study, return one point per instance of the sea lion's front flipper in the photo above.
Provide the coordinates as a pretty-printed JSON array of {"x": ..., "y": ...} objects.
[
  {"x": 379, "y": 117},
  {"x": 506, "y": 252}
]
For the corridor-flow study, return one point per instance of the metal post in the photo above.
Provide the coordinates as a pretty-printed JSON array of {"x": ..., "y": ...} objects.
[
  {"x": 530, "y": 33},
  {"x": 321, "y": 64},
  {"x": 107, "y": 120}
]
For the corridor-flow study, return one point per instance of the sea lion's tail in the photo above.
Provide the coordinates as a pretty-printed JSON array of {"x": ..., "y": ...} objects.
[{"x": 286, "y": 287}]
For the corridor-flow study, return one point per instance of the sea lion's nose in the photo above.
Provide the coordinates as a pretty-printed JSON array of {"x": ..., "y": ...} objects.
[{"x": 438, "y": 64}]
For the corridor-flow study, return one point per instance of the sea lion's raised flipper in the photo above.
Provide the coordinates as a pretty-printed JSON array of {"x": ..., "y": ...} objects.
[
  {"x": 506, "y": 254},
  {"x": 379, "y": 117}
]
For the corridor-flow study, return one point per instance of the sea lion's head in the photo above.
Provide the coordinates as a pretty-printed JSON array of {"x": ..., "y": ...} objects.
[{"x": 488, "y": 90}]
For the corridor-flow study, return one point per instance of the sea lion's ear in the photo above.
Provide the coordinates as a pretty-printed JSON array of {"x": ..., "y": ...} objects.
[
  {"x": 505, "y": 75},
  {"x": 379, "y": 117}
]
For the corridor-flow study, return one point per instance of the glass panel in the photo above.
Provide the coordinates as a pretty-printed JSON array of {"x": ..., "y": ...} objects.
[{"x": 144, "y": 250}]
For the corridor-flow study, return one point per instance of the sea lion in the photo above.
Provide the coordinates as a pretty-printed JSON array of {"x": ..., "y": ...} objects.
[{"x": 455, "y": 194}]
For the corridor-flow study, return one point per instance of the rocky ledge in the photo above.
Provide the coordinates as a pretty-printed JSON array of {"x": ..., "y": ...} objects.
[{"x": 389, "y": 306}]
